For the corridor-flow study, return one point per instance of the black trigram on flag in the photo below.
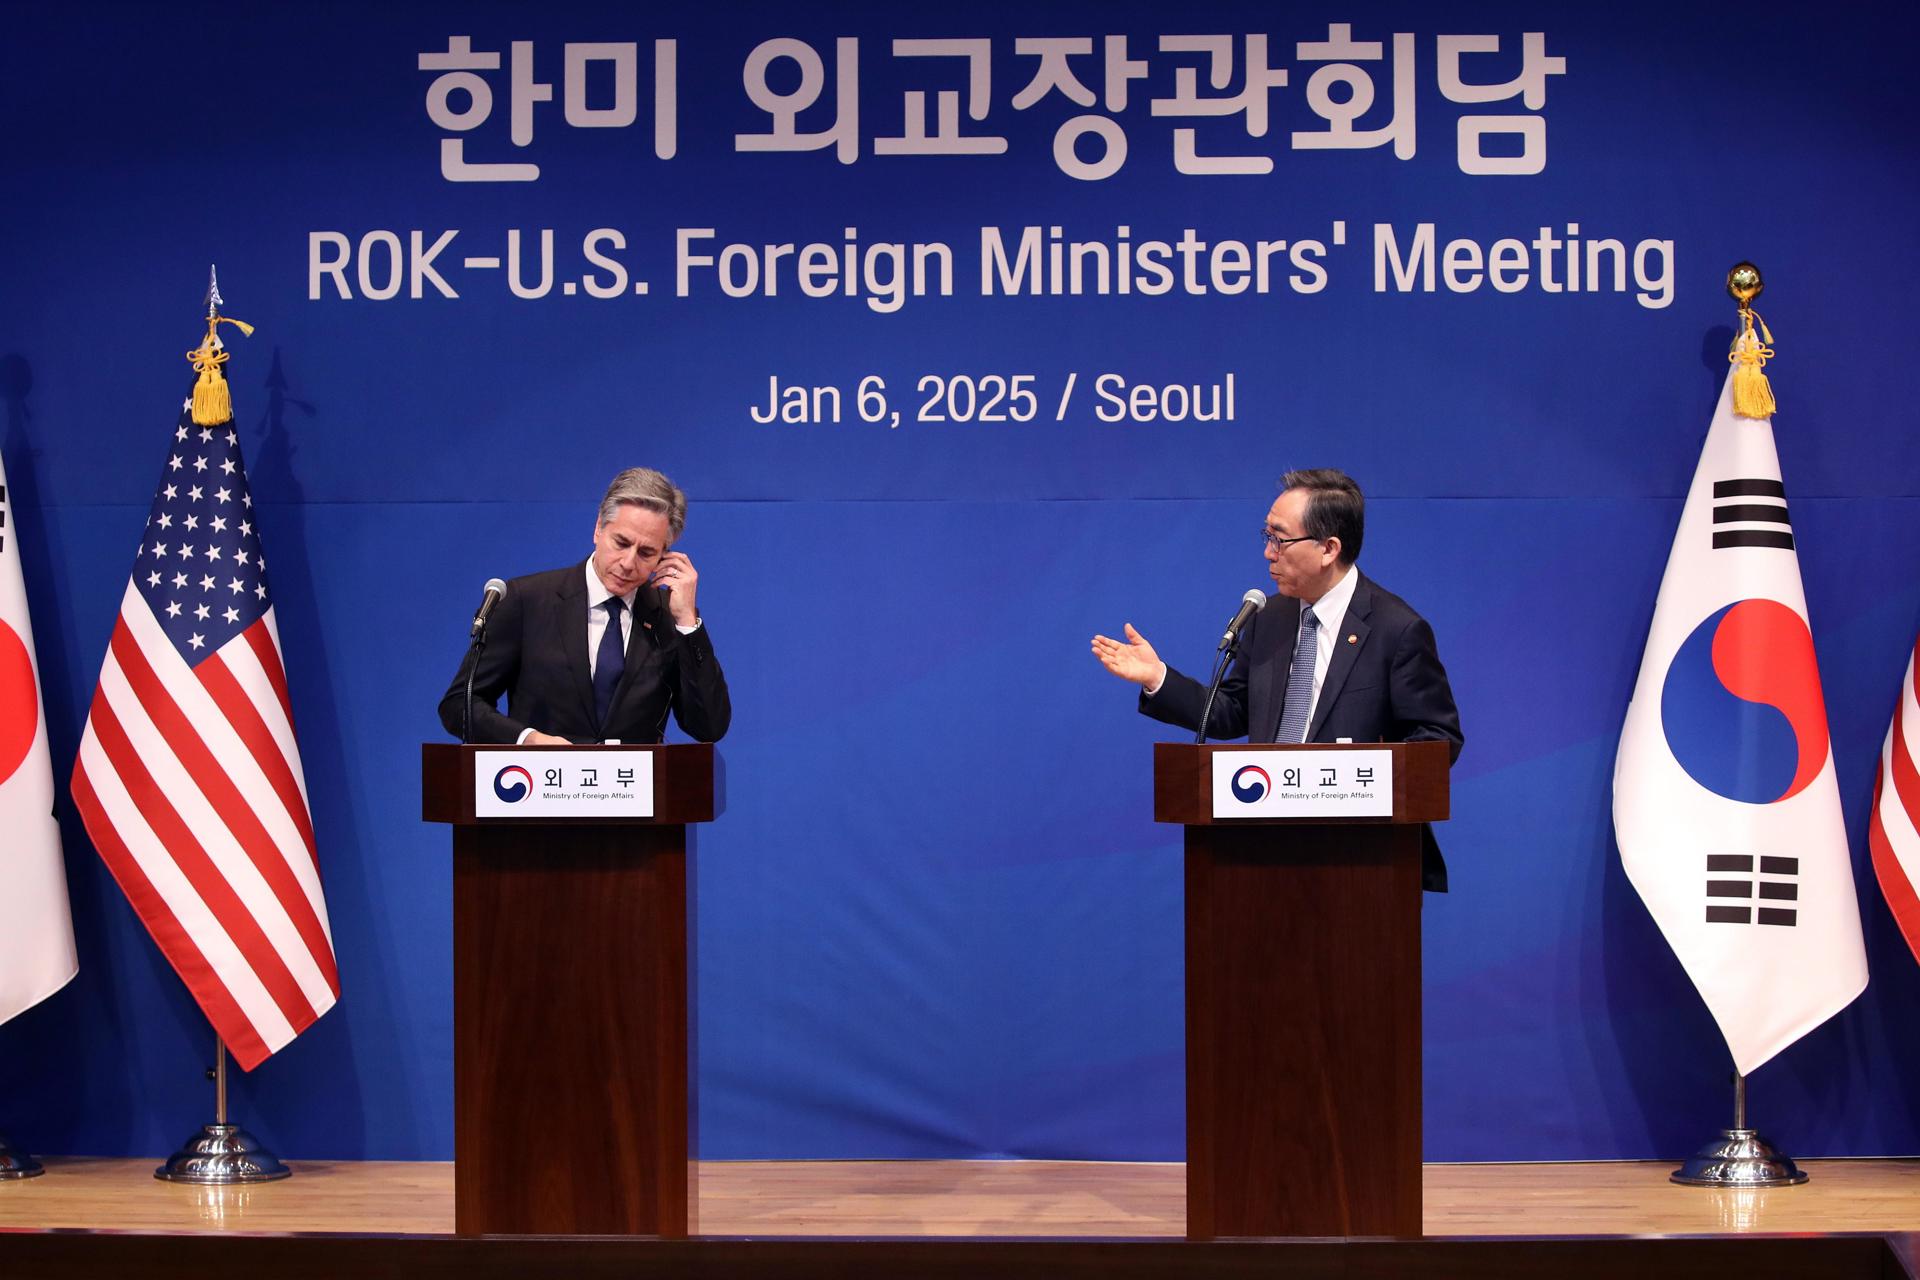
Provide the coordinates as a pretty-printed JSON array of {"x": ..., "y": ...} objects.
[
  {"x": 3, "y": 517},
  {"x": 1732, "y": 888},
  {"x": 1751, "y": 502}
]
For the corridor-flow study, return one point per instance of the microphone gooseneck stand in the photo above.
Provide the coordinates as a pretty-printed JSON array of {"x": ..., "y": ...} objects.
[
  {"x": 1250, "y": 604},
  {"x": 473, "y": 665},
  {"x": 1227, "y": 653}
]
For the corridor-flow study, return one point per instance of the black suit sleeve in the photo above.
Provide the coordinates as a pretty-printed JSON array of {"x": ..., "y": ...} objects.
[
  {"x": 499, "y": 668},
  {"x": 1422, "y": 700},
  {"x": 1182, "y": 698},
  {"x": 701, "y": 705}
]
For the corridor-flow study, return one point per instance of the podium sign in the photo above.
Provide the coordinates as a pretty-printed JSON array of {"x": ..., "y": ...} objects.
[
  {"x": 1303, "y": 784},
  {"x": 519, "y": 783}
]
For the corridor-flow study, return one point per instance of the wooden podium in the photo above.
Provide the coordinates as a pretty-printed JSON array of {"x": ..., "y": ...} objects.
[
  {"x": 572, "y": 946},
  {"x": 1303, "y": 1002}
]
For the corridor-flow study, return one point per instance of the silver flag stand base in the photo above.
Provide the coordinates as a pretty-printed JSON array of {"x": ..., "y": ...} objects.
[
  {"x": 222, "y": 1154},
  {"x": 1741, "y": 1157},
  {"x": 15, "y": 1165}
]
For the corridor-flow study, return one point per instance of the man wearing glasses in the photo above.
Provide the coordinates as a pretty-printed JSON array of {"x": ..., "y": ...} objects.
[
  {"x": 1331, "y": 658},
  {"x": 602, "y": 650}
]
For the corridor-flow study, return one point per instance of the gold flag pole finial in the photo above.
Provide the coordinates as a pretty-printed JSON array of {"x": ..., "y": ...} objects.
[
  {"x": 1752, "y": 393},
  {"x": 212, "y": 402}
]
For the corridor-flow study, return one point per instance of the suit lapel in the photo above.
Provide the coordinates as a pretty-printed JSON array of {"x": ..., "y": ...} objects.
[
  {"x": 571, "y": 602},
  {"x": 647, "y": 619},
  {"x": 1340, "y": 666}
]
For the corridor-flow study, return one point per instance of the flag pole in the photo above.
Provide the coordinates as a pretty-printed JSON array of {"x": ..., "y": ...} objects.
[
  {"x": 15, "y": 1165},
  {"x": 222, "y": 1154},
  {"x": 1740, "y": 1157},
  {"x": 271, "y": 820}
]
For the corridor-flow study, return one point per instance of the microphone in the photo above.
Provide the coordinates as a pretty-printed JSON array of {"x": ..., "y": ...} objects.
[
  {"x": 495, "y": 590},
  {"x": 1250, "y": 604}
]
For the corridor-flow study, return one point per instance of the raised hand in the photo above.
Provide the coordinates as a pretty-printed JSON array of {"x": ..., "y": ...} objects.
[
  {"x": 677, "y": 574},
  {"x": 1132, "y": 660}
]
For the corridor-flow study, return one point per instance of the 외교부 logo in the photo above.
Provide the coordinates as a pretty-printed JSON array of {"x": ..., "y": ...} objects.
[
  {"x": 513, "y": 784},
  {"x": 1250, "y": 782}
]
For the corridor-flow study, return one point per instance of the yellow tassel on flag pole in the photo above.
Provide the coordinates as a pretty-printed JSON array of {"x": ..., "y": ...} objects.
[
  {"x": 212, "y": 402},
  {"x": 1752, "y": 393}
]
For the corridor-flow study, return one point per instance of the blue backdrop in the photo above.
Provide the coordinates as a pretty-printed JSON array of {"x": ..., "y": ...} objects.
[{"x": 936, "y": 918}]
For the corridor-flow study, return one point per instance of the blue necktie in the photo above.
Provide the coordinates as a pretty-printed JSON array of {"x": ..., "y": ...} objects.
[
  {"x": 612, "y": 661},
  {"x": 1293, "y": 715}
]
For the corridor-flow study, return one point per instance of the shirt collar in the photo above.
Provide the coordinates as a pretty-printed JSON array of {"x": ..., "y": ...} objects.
[
  {"x": 597, "y": 593},
  {"x": 1330, "y": 610}
]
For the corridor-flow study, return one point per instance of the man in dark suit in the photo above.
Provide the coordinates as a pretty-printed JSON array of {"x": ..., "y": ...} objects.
[
  {"x": 601, "y": 651},
  {"x": 1332, "y": 657}
]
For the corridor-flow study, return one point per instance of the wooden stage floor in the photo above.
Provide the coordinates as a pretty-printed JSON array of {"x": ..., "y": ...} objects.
[{"x": 977, "y": 1199}]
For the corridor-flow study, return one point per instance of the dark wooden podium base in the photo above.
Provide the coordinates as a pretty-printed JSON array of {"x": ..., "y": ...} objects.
[
  {"x": 571, "y": 1080},
  {"x": 1303, "y": 1030}
]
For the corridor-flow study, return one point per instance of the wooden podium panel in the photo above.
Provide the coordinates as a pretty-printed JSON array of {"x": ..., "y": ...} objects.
[
  {"x": 573, "y": 1081},
  {"x": 1303, "y": 1031},
  {"x": 1303, "y": 1008}
]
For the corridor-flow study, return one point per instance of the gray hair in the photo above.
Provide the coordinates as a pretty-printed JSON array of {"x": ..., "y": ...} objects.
[{"x": 647, "y": 489}]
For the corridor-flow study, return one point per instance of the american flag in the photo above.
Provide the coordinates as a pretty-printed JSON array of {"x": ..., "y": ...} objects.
[
  {"x": 189, "y": 776},
  {"x": 1894, "y": 832}
]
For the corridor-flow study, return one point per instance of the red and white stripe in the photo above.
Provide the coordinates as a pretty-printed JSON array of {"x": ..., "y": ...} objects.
[
  {"x": 190, "y": 785},
  {"x": 1894, "y": 832}
]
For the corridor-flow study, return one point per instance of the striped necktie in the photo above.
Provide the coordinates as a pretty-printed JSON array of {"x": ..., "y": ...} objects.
[{"x": 1306, "y": 651}]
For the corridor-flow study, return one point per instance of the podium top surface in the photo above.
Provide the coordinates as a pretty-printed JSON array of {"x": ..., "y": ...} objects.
[
  {"x": 1183, "y": 782},
  {"x": 686, "y": 783}
]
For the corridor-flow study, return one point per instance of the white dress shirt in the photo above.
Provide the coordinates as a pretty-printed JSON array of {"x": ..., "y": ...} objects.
[
  {"x": 597, "y": 597},
  {"x": 1330, "y": 612}
]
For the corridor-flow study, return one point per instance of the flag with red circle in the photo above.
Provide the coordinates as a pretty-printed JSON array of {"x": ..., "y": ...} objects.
[
  {"x": 37, "y": 955},
  {"x": 1725, "y": 801}
]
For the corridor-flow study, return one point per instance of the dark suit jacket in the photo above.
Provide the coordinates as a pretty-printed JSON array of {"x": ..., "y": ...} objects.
[
  {"x": 1385, "y": 686},
  {"x": 536, "y": 654}
]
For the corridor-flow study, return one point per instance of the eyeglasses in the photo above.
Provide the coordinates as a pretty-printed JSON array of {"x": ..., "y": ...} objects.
[{"x": 1276, "y": 542}]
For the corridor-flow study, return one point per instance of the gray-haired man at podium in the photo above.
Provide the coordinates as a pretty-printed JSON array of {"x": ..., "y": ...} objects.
[
  {"x": 602, "y": 650},
  {"x": 1332, "y": 657}
]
